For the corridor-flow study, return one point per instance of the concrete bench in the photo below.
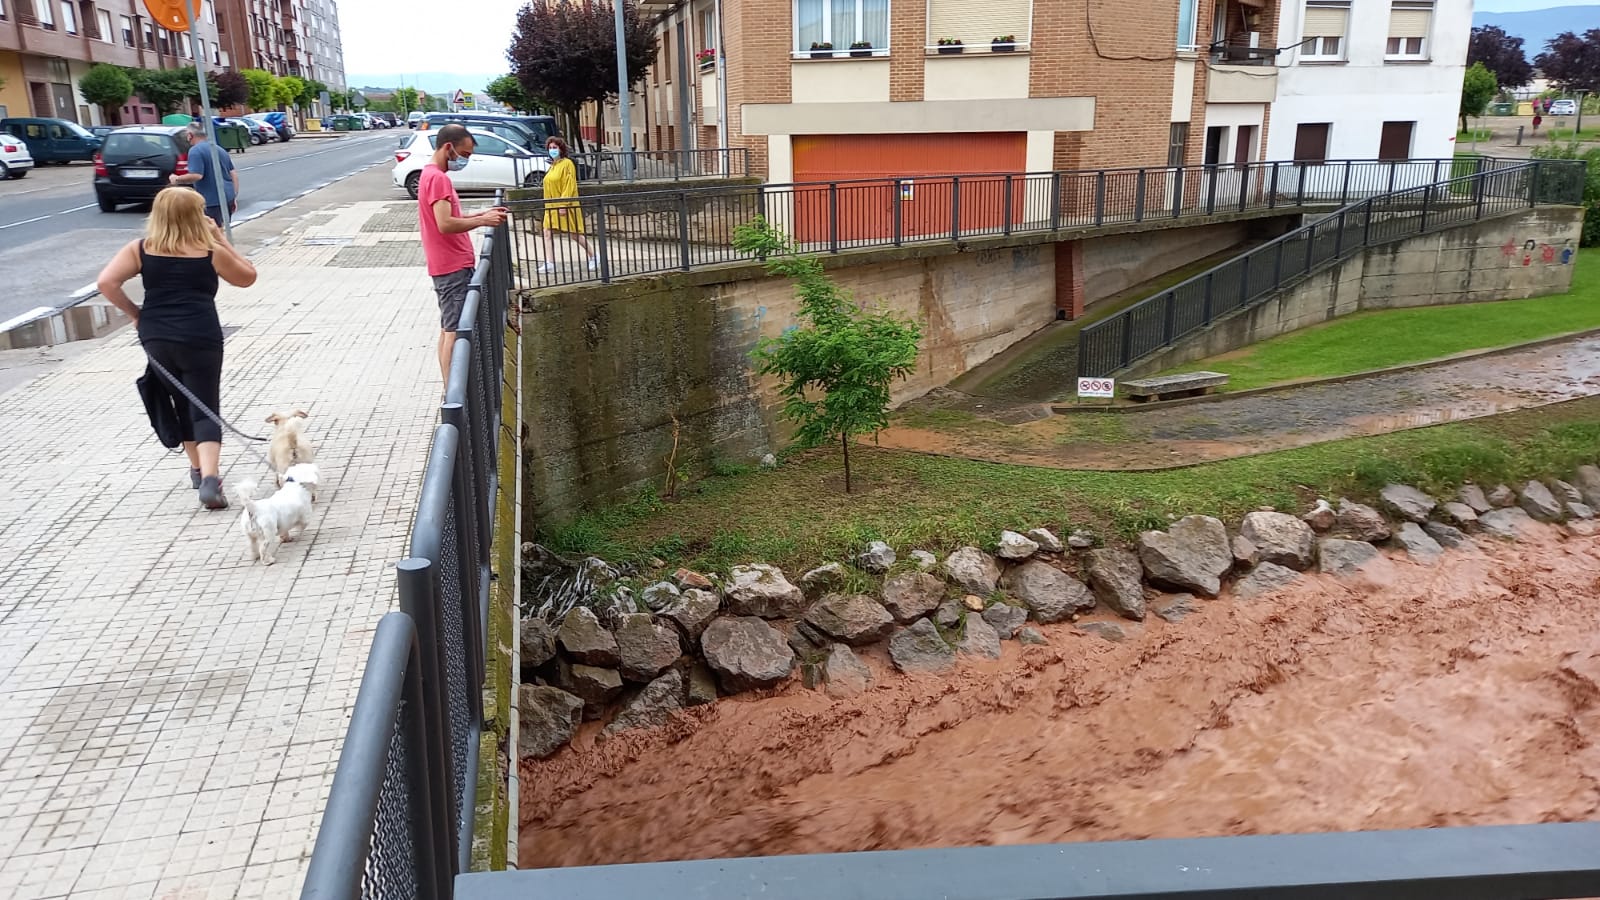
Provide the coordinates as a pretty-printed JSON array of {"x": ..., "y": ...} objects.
[{"x": 1166, "y": 387}]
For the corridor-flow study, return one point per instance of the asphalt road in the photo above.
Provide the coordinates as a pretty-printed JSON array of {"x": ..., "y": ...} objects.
[{"x": 54, "y": 239}]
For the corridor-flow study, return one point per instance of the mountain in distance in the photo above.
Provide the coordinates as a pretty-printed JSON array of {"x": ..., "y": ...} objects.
[
  {"x": 1537, "y": 26},
  {"x": 438, "y": 83}
]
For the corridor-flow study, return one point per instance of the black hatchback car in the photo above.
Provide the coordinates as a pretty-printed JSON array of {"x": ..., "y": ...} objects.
[{"x": 134, "y": 164}]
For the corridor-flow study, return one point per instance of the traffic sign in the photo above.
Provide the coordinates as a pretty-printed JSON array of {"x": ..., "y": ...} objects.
[{"x": 173, "y": 15}]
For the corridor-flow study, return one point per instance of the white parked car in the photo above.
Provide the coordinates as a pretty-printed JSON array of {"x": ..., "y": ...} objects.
[
  {"x": 496, "y": 163},
  {"x": 1563, "y": 107},
  {"x": 15, "y": 160}
]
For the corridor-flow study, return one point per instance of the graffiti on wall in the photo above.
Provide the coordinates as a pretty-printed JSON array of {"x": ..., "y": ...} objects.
[{"x": 1549, "y": 254}]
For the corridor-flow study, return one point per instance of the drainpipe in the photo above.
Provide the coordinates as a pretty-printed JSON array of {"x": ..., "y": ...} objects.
[{"x": 722, "y": 89}]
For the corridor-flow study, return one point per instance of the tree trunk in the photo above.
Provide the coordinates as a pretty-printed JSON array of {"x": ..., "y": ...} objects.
[{"x": 844, "y": 441}]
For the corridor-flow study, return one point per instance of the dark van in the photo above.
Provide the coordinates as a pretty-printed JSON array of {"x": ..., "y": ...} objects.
[
  {"x": 53, "y": 140},
  {"x": 134, "y": 164}
]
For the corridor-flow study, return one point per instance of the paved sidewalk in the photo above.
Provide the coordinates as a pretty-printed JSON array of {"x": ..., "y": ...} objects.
[{"x": 171, "y": 712}]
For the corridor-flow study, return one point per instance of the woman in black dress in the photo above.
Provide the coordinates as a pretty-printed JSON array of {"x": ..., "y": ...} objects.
[{"x": 179, "y": 260}]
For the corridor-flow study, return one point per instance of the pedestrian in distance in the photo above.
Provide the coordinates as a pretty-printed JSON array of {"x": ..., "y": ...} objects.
[
  {"x": 446, "y": 241},
  {"x": 210, "y": 168},
  {"x": 179, "y": 260},
  {"x": 561, "y": 209}
]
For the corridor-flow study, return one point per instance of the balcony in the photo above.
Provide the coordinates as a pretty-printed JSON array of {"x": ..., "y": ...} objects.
[{"x": 1251, "y": 82}]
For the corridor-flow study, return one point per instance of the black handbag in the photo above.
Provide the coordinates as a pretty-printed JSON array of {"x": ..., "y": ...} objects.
[{"x": 160, "y": 406}]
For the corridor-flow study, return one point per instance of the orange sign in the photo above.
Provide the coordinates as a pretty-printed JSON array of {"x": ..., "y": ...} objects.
[{"x": 173, "y": 15}]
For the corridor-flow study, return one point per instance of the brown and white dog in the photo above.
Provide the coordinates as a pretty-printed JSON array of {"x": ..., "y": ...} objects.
[{"x": 289, "y": 445}]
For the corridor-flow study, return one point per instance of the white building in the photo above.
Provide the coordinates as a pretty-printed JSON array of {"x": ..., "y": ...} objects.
[
  {"x": 326, "y": 46},
  {"x": 1369, "y": 79}
]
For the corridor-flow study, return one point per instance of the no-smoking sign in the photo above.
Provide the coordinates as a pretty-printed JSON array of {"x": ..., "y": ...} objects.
[{"x": 1097, "y": 387}]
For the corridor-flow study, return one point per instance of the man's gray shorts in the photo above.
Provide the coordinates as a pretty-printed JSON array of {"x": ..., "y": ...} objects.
[{"x": 452, "y": 291}]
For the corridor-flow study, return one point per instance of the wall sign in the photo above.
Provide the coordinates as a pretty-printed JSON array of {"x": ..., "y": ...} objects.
[{"x": 1105, "y": 388}]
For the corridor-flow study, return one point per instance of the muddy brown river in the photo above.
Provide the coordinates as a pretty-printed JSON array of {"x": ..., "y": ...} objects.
[{"x": 1458, "y": 695}]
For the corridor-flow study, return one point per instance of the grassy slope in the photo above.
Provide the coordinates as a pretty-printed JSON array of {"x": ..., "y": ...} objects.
[
  {"x": 797, "y": 516},
  {"x": 1394, "y": 337}
]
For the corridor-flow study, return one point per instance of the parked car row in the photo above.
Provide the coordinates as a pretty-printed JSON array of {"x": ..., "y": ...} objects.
[
  {"x": 495, "y": 163},
  {"x": 58, "y": 141}
]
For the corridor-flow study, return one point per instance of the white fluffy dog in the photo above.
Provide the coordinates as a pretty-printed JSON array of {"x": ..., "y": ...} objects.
[
  {"x": 289, "y": 444},
  {"x": 306, "y": 475},
  {"x": 272, "y": 520}
]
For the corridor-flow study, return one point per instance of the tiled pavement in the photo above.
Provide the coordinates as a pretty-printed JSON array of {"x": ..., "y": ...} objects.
[{"x": 170, "y": 712}]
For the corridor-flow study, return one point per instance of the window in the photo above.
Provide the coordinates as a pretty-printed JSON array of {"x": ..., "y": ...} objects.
[
  {"x": 977, "y": 22},
  {"x": 127, "y": 31},
  {"x": 1408, "y": 30},
  {"x": 708, "y": 30},
  {"x": 1394, "y": 144},
  {"x": 47, "y": 17},
  {"x": 210, "y": 13},
  {"x": 1311, "y": 142},
  {"x": 841, "y": 23},
  {"x": 106, "y": 34},
  {"x": 149, "y": 36},
  {"x": 1178, "y": 144},
  {"x": 225, "y": 61},
  {"x": 1188, "y": 14},
  {"x": 1324, "y": 30},
  {"x": 69, "y": 18}
]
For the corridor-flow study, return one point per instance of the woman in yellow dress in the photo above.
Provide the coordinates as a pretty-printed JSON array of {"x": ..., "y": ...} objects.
[{"x": 561, "y": 210}]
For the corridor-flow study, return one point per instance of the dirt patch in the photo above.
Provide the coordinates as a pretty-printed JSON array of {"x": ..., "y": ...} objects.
[{"x": 1465, "y": 694}]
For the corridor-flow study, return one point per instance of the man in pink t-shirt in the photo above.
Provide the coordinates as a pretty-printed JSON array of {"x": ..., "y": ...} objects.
[{"x": 446, "y": 242}]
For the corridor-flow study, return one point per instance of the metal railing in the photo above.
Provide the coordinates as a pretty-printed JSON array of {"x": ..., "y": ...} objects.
[
  {"x": 400, "y": 814},
  {"x": 609, "y": 166},
  {"x": 659, "y": 231},
  {"x": 1491, "y": 187}
]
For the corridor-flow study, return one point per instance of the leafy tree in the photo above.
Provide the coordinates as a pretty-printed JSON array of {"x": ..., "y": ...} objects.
[
  {"x": 508, "y": 90},
  {"x": 1572, "y": 62},
  {"x": 565, "y": 51},
  {"x": 287, "y": 90},
  {"x": 165, "y": 89},
  {"x": 232, "y": 90},
  {"x": 1590, "y": 236},
  {"x": 107, "y": 87},
  {"x": 846, "y": 354},
  {"x": 1501, "y": 54},
  {"x": 1478, "y": 87},
  {"x": 263, "y": 88},
  {"x": 310, "y": 92}
]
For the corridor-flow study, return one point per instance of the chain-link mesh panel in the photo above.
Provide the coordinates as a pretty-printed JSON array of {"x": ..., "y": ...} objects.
[
  {"x": 391, "y": 861},
  {"x": 457, "y": 684}
]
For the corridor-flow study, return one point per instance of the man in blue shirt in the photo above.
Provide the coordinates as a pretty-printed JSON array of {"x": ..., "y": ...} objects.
[{"x": 209, "y": 164}]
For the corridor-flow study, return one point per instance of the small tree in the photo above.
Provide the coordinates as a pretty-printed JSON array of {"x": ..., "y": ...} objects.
[
  {"x": 165, "y": 89},
  {"x": 1477, "y": 89},
  {"x": 847, "y": 354},
  {"x": 263, "y": 88},
  {"x": 565, "y": 51},
  {"x": 406, "y": 100},
  {"x": 107, "y": 87},
  {"x": 232, "y": 90},
  {"x": 1501, "y": 54},
  {"x": 1590, "y": 235},
  {"x": 286, "y": 91},
  {"x": 508, "y": 90},
  {"x": 1572, "y": 61}
]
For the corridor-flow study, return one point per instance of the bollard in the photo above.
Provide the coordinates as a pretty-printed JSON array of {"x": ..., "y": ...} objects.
[{"x": 1519, "y": 134}]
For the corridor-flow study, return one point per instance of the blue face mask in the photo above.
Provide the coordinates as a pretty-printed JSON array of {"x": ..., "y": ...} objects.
[
  {"x": 555, "y": 152},
  {"x": 457, "y": 163}
]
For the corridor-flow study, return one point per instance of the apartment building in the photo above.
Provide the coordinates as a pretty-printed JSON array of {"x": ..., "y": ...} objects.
[
  {"x": 841, "y": 89},
  {"x": 46, "y": 46},
  {"x": 285, "y": 37}
]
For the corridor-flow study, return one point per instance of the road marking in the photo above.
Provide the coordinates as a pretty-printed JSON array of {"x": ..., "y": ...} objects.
[{"x": 49, "y": 216}]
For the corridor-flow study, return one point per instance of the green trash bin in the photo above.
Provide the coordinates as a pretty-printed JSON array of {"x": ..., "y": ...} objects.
[
  {"x": 1502, "y": 109},
  {"x": 341, "y": 123},
  {"x": 233, "y": 137}
]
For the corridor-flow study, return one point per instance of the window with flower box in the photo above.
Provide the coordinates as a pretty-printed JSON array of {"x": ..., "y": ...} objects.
[
  {"x": 828, "y": 28},
  {"x": 980, "y": 26}
]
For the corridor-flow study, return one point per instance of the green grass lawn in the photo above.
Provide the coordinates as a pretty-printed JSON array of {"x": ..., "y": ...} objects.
[
  {"x": 1376, "y": 340},
  {"x": 798, "y": 516},
  {"x": 1589, "y": 133}
]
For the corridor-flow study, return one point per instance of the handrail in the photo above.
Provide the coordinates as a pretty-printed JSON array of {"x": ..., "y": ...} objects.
[{"x": 1115, "y": 342}]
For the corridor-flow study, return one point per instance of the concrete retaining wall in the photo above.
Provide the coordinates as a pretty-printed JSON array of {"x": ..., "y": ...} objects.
[
  {"x": 1514, "y": 256},
  {"x": 1115, "y": 263}
]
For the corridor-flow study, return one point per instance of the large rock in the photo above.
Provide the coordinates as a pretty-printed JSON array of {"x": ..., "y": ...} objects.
[
  {"x": 1108, "y": 630},
  {"x": 1564, "y": 492},
  {"x": 973, "y": 570},
  {"x": 1459, "y": 513},
  {"x": 1538, "y": 502},
  {"x": 949, "y": 614},
  {"x": 919, "y": 648},
  {"x": 596, "y": 687},
  {"x": 844, "y": 674},
  {"x": 1588, "y": 482},
  {"x": 1006, "y": 619},
  {"x": 584, "y": 639},
  {"x": 687, "y": 579},
  {"x": 1047, "y": 540},
  {"x": 1321, "y": 517},
  {"x": 549, "y": 718},
  {"x": 911, "y": 596},
  {"x": 1245, "y": 554},
  {"x": 1282, "y": 539},
  {"x": 1265, "y": 580},
  {"x": 1510, "y": 523},
  {"x": 855, "y": 619},
  {"x": 1472, "y": 496},
  {"x": 1361, "y": 522},
  {"x": 692, "y": 612},
  {"x": 646, "y": 647},
  {"x": 1032, "y": 637},
  {"x": 1177, "y": 607},
  {"x": 1014, "y": 546},
  {"x": 980, "y": 639},
  {"x": 877, "y": 558},
  {"x": 1502, "y": 497},
  {"x": 1081, "y": 539},
  {"x": 1407, "y": 502},
  {"x": 537, "y": 643},
  {"x": 654, "y": 705},
  {"x": 1447, "y": 535},
  {"x": 1191, "y": 555},
  {"x": 702, "y": 685},
  {"x": 925, "y": 561},
  {"x": 1344, "y": 558},
  {"x": 1118, "y": 580},
  {"x": 660, "y": 595},
  {"x": 1420, "y": 545},
  {"x": 746, "y": 653},
  {"x": 1050, "y": 593},
  {"x": 823, "y": 579},
  {"x": 1580, "y": 511},
  {"x": 761, "y": 590}
]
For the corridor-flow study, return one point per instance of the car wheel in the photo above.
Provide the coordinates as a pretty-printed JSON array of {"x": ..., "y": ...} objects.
[
  {"x": 255, "y": 140},
  {"x": 412, "y": 181},
  {"x": 533, "y": 179},
  {"x": 106, "y": 203},
  {"x": 20, "y": 173}
]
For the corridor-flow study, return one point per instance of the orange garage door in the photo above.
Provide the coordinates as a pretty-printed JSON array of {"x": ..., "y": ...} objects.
[{"x": 886, "y": 170}]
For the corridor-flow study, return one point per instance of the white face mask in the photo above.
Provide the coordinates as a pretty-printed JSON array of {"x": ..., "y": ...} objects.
[{"x": 457, "y": 163}]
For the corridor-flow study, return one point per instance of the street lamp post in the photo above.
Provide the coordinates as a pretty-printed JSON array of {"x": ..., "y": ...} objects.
[{"x": 622, "y": 96}]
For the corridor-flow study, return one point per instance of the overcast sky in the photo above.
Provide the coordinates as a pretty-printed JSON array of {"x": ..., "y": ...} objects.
[{"x": 461, "y": 36}]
